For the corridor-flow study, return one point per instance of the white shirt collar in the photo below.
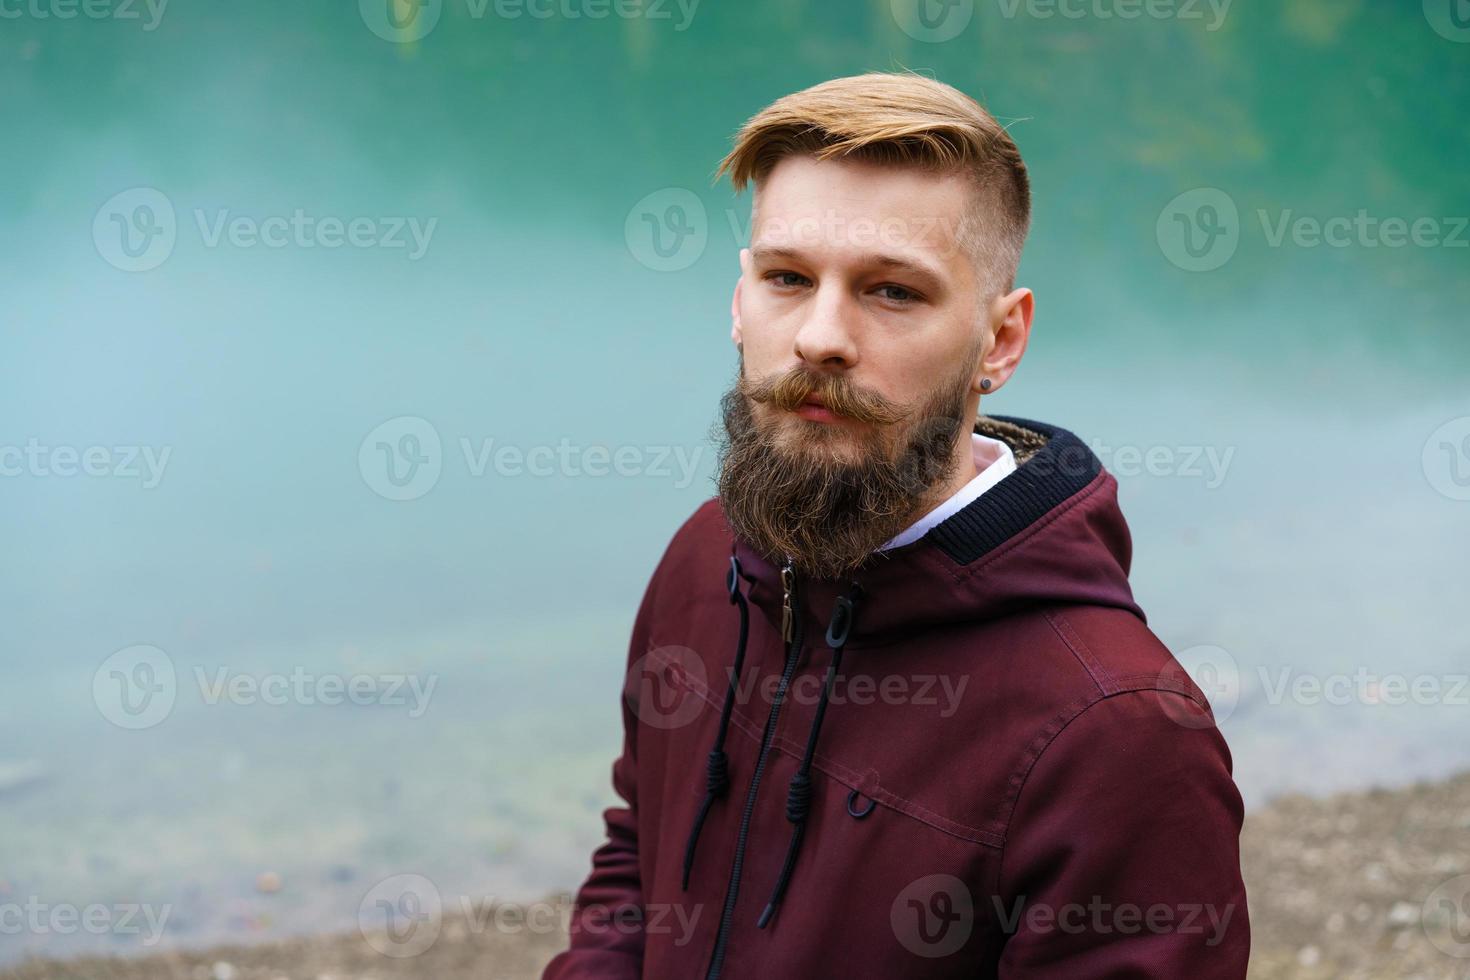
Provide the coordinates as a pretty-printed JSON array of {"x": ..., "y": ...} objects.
[{"x": 994, "y": 461}]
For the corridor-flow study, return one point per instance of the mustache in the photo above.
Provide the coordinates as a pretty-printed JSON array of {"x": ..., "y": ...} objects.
[{"x": 837, "y": 392}]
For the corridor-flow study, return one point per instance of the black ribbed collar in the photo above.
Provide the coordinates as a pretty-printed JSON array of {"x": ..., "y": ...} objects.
[{"x": 1046, "y": 475}]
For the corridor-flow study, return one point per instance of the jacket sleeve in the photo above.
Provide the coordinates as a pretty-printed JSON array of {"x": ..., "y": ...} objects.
[
  {"x": 606, "y": 938},
  {"x": 1123, "y": 854}
]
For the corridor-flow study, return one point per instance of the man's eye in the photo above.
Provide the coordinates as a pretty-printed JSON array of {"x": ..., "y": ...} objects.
[
  {"x": 898, "y": 294},
  {"x": 788, "y": 279}
]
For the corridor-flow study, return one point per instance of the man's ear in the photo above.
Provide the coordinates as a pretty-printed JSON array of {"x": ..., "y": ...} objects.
[
  {"x": 735, "y": 334},
  {"x": 1010, "y": 319}
]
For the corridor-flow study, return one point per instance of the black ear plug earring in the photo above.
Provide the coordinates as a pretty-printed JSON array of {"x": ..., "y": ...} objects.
[{"x": 984, "y": 384}]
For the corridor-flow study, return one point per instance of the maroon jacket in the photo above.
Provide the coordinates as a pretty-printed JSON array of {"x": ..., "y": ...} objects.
[{"x": 1006, "y": 775}]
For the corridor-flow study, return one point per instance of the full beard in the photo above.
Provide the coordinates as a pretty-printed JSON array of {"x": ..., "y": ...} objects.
[{"x": 826, "y": 496}]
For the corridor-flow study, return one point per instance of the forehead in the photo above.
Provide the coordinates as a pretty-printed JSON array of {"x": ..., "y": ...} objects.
[{"x": 859, "y": 206}]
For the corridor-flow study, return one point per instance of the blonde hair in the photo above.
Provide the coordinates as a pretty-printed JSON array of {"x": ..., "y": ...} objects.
[{"x": 901, "y": 119}]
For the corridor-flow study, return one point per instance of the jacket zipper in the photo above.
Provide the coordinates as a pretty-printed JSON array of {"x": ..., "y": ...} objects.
[{"x": 791, "y": 633}]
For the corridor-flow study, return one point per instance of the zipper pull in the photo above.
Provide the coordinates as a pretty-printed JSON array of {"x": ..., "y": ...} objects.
[{"x": 788, "y": 583}]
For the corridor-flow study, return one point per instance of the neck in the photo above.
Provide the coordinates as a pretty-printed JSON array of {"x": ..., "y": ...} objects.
[{"x": 961, "y": 471}]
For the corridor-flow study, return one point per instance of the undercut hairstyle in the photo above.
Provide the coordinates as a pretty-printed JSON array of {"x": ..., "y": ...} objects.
[{"x": 905, "y": 120}]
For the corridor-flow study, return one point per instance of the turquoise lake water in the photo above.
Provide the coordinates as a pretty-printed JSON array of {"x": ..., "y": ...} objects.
[{"x": 250, "y": 255}]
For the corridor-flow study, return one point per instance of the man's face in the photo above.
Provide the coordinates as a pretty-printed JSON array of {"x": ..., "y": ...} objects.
[
  {"x": 862, "y": 329},
  {"x": 856, "y": 278}
]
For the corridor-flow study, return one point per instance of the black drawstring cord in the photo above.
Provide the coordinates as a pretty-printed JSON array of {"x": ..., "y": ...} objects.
[
  {"x": 799, "y": 796},
  {"x": 717, "y": 773}
]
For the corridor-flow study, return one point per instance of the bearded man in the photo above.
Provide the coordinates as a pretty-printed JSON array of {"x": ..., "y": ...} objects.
[{"x": 892, "y": 710}]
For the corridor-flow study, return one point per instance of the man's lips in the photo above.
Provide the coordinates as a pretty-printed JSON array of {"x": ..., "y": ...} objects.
[{"x": 814, "y": 409}]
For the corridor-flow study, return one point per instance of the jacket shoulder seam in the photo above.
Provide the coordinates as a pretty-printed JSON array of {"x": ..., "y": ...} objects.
[
  {"x": 1129, "y": 684},
  {"x": 1102, "y": 678}
]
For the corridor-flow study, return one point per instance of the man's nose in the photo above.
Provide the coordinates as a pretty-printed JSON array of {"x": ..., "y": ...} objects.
[{"x": 825, "y": 338}]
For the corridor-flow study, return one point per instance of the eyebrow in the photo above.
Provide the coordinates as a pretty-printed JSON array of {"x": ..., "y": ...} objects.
[{"x": 887, "y": 261}]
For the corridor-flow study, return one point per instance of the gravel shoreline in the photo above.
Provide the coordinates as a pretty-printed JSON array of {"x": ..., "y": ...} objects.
[{"x": 1357, "y": 885}]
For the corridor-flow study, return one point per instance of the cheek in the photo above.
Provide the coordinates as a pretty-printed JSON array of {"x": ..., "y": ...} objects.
[
  {"x": 914, "y": 382},
  {"x": 918, "y": 365},
  {"x": 902, "y": 371},
  {"x": 765, "y": 332},
  {"x": 758, "y": 303}
]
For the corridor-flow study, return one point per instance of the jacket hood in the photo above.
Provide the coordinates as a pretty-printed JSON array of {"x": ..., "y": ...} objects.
[{"x": 1050, "y": 532}]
